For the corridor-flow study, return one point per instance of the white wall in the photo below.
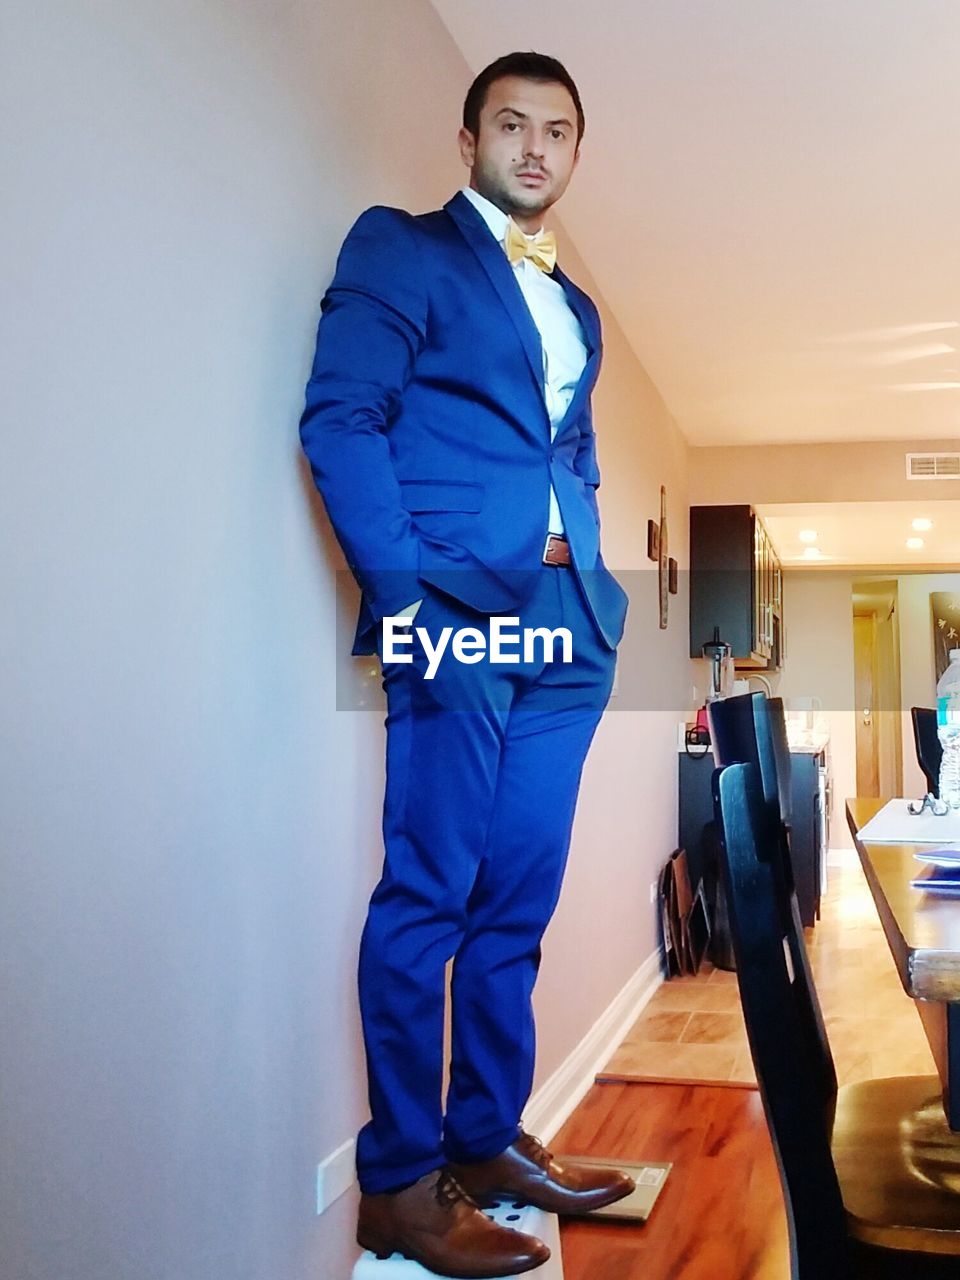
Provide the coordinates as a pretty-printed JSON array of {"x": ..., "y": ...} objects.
[{"x": 189, "y": 826}]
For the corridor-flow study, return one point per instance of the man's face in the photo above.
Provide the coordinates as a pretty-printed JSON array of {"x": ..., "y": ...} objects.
[{"x": 526, "y": 149}]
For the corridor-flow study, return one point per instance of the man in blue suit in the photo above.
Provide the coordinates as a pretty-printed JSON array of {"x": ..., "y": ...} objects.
[{"x": 449, "y": 431}]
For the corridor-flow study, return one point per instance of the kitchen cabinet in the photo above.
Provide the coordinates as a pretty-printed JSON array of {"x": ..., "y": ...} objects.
[{"x": 736, "y": 584}]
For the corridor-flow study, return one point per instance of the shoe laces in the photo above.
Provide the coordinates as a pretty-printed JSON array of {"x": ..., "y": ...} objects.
[
  {"x": 535, "y": 1149},
  {"x": 449, "y": 1191}
]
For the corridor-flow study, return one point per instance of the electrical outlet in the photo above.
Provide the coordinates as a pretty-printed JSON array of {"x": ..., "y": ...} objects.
[
  {"x": 653, "y": 891},
  {"x": 335, "y": 1175}
]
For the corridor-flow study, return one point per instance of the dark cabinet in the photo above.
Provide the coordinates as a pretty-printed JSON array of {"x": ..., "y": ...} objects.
[
  {"x": 736, "y": 584},
  {"x": 807, "y": 837},
  {"x": 807, "y": 834},
  {"x": 696, "y": 833}
]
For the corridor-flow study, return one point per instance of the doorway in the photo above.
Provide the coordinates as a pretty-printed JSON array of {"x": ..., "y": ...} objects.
[{"x": 876, "y": 660}]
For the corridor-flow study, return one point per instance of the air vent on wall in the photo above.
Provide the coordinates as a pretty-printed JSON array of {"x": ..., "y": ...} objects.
[{"x": 933, "y": 466}]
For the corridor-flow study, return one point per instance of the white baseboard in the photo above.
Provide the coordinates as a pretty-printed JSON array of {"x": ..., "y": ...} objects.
[{"x": 558, "y": 1096}]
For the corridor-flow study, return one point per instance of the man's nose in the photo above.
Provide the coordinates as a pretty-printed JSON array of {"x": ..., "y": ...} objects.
[{"x": 534, "y": 146}]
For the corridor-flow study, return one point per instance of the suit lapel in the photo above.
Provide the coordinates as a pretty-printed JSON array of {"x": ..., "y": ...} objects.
[
  {"x": 494, "y": 262},
  {"x": 584, "y": 311},
  {"x": 582, "y": 308}
]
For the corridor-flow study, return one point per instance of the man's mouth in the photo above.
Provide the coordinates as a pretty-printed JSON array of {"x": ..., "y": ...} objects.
[{"x": 533, "y": 177}]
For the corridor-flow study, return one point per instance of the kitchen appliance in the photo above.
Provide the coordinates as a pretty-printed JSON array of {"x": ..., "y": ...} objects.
[
  {"x": 720, "y": 656},
  {"x": 824, "y": 805}
]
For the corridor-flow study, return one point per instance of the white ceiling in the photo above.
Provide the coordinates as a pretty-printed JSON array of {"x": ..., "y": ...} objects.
[
  {"x": 769, "y": 200},
  {"x": 865, "y": 534}
]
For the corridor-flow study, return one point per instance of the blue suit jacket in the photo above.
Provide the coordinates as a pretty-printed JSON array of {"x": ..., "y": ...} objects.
[{"x": 426, "y": 426}]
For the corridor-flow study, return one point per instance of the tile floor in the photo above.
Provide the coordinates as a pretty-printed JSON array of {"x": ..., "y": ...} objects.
[{"x": 692, "y": 1029}]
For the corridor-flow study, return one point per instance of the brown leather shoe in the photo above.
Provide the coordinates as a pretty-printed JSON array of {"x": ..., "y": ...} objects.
[
  {"x": 435, "y": 1222},
  {"x": 529, "y": 1172}
]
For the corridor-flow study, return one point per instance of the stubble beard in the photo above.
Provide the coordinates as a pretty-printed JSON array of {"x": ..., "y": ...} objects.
[{"x": 494, "y": 189}]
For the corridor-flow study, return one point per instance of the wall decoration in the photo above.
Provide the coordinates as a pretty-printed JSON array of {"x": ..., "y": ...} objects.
[
  {"x": 945, "y": 607},
  {"x": 657, "y": 550},
  {"x": 663, "y": 559}
]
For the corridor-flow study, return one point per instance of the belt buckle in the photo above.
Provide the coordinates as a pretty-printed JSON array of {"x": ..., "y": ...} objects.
[{"x": 552, "y": 553}]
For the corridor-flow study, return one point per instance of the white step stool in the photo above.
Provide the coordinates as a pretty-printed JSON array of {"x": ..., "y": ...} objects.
[{"x": 525, "y": 1218}]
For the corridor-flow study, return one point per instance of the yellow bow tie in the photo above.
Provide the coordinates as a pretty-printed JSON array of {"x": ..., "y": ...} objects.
[{"x": 541, "y": 250}]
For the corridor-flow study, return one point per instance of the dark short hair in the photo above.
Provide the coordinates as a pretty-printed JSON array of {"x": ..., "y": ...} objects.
[{"x": 528, "y": 66}]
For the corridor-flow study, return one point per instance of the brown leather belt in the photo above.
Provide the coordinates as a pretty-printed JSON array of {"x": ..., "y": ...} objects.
[{"x": 556, "y": 550}]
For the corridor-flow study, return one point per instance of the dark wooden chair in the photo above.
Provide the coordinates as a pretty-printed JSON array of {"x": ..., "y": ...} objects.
[
  {"x": 747, "y": 730},
  {"x": 742, "y": 733},
  {"x": 781, "y": 752},
  {"x": 870, "y": 1172},
  {"x": 929, "y": 750}
]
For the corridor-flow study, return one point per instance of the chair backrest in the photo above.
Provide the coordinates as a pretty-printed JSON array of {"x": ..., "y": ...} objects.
[
  {"x": 781, "y": 752},
  {"x": 784, "y": 1050},
  {"x": 929, "y": 750},
  {"x": 740, "y": 734},
  {"x": 743, "y": 731}
]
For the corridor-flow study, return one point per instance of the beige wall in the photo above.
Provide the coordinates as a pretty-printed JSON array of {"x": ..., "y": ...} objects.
[
  {"x": 191, "y": 824},
  {"x": 918, "y": 678},
  {"x": 862, "y": 472},
  {"x": 819, "y": 664},
  {"x": 915, "y": 642},
  {"x": 876, "y": 600},
  {"x": 887, "y": 709},
  {"x": 627, "y": 817},
  {"x": 818, "y": 603}
]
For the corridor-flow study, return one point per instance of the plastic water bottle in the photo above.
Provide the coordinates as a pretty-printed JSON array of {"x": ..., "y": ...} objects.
[{"x": 948, "y": 730}]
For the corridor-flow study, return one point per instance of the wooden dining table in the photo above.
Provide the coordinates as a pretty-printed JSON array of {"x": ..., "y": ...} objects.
[{"x": 923, "y": 933}]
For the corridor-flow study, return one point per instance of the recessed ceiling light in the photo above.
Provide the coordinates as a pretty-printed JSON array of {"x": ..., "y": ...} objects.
[
  {"x": 921, "y": 524},
  {"x": 811, "y": 553},
  {"x": 914, "y": 543},
  {"x": 807, "y": 535}
]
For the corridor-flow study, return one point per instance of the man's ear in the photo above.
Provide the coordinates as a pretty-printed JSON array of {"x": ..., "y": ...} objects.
[
  {"x": 576, "y": 157},
  {"x": 468, "y": 147}
]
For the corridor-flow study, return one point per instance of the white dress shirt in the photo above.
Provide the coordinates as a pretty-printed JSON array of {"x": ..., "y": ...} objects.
[
  {"x": 561, "y": 336},
  {"x": 561, "y": 341}
]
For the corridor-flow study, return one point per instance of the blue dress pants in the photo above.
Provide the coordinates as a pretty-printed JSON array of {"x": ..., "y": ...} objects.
[{"x": 483, "y": 768}]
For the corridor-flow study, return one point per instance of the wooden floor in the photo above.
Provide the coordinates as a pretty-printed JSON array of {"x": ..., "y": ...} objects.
[
  {"x": 720, "y": 1215},
  {"x": 693, "y": 1029}
]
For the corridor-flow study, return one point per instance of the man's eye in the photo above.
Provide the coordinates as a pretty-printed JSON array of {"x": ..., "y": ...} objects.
[
  {"x": 511, "y": 125},
  {"x": 557, "y": 134}
]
